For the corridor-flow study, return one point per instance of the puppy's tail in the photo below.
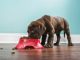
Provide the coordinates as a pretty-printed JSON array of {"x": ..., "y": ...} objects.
[
  {"x": 64, "y": 33},
  {"x": 66, "y": 25}
]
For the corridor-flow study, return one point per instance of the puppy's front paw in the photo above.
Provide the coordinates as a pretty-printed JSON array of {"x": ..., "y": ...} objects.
[{"x": 48, "y": 46}]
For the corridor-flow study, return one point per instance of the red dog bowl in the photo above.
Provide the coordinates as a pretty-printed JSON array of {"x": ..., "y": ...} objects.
[{"x": 28, "y": 42}]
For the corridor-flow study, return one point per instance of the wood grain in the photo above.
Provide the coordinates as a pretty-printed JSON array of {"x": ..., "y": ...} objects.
[{"x": 62, "y": 52}]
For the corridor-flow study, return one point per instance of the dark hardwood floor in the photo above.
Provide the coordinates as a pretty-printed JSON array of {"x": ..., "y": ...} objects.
[{"x": 62, "y": 52}]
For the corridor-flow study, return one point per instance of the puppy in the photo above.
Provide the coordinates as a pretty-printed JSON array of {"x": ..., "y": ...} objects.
[{"x": 49, "y": 25}]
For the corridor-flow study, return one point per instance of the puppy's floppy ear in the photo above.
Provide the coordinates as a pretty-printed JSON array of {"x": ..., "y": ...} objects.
[{"x": 42, "y": 28}]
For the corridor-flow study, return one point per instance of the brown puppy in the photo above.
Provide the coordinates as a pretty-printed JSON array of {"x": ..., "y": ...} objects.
[{"x": 48, "y": 25}]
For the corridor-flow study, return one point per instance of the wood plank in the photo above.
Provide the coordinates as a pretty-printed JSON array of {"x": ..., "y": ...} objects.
[{"x": 62, "y": 52}]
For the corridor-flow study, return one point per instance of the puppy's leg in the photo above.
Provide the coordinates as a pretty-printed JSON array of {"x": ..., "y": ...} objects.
[
  {"x": 67, "y": 31},
  {"x": 43, "y": 39},
  {"x": 50, "y": 41},
  {"x": 58, "y": 39}
]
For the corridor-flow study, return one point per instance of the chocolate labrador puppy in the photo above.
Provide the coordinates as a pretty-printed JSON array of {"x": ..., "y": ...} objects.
[{"x": 46, "y": 27}]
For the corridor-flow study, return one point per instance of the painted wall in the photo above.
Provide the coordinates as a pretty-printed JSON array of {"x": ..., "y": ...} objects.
[{"x": 15, "y": 15}]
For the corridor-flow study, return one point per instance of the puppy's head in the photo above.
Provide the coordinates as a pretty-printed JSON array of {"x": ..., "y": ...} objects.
[{"x": 36, "y": 29}]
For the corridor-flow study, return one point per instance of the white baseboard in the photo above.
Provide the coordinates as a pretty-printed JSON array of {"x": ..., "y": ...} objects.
[
  {"x": 10, "y": 37},
  {"x": 14, "y": 38}
]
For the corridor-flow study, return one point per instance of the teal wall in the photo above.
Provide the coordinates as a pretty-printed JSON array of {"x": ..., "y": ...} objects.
[{"x": 15, "y": 15}]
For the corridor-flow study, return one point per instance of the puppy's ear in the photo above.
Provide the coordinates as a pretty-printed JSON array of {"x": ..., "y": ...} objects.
[{"x": 42, "y": 28}]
